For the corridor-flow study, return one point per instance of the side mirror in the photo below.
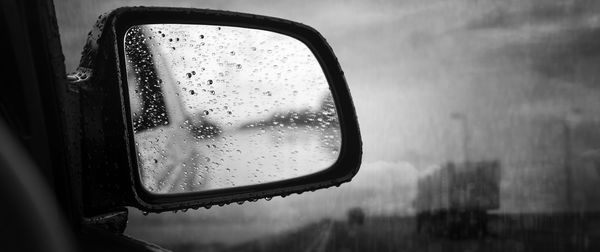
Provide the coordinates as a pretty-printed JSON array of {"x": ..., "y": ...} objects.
[{"x": 187, "y": 108}]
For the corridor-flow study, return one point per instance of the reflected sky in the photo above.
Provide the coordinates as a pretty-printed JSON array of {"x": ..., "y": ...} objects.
[{"x": 218, "y": 70}]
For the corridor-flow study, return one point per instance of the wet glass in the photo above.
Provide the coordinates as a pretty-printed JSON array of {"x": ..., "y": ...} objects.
[
  {"x": 438, "y": 86},
  {"x": 216, "y": 107}
]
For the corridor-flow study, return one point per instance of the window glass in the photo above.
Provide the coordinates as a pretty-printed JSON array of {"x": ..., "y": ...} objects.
[{"x": 480, "y": 122}]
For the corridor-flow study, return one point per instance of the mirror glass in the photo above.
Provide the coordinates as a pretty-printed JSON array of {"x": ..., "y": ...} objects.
[{"x": 216, "y": 107}]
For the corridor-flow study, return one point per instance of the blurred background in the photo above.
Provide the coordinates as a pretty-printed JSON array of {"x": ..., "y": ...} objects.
[{"x": 435, "y": 84}]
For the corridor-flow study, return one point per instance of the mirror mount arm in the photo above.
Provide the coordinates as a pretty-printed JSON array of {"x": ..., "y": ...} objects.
[{"x": 103, "y": 174}]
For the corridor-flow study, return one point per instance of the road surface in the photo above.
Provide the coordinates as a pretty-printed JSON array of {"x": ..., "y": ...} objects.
[{"x": 508, "y": 233}]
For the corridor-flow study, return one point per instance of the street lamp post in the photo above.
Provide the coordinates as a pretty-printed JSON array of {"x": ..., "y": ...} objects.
[
  {"x": 567, "y": 164},
  {"x": 465, "y": 133},
  {"x": 567, "y": 121}
]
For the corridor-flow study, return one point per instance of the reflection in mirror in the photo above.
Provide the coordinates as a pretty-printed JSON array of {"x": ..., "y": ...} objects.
[{"x": 217, "y": 107}]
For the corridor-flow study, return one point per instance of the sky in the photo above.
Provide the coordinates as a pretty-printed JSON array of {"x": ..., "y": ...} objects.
[{"x": 518, "y": 70}]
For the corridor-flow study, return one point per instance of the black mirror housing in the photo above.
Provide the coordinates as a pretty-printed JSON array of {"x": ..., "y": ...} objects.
[{"x": 109, "y": 171}]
